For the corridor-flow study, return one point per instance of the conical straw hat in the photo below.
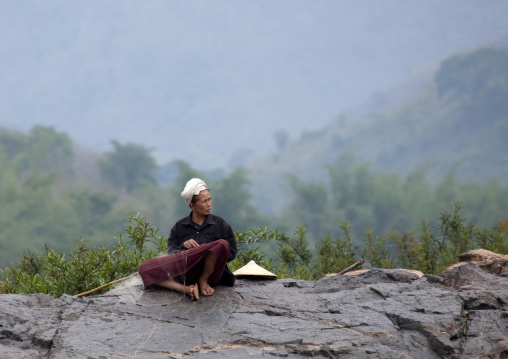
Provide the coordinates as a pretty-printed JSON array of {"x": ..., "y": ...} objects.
[{"x": 251, "y": 269}]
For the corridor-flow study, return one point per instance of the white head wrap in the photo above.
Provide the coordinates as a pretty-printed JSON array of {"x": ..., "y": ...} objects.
[{"x": 193, "y": 187}]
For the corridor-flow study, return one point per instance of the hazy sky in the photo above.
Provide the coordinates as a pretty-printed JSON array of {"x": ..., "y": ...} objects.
[{"x": 203, "y": 80}]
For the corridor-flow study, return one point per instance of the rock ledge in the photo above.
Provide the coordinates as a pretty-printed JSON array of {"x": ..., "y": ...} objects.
[{"x": 462, "y": 313}]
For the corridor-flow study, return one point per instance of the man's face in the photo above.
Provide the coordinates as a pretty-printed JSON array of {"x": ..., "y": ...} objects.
[{"x": 203, "y": 204}]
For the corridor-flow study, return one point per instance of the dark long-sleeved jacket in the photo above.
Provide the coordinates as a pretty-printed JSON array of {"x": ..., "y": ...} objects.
[{"x": 213, "y": 228}]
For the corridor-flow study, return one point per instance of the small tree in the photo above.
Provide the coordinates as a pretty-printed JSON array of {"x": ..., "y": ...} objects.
[{"x": 129, "y": 166}]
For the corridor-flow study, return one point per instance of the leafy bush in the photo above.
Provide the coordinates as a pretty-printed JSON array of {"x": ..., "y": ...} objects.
[
  {"x": 429, "y": 252},
  {"x": 249, "y": 244},
  {"x": 334, "y": 255},
  {"x": 422, "y": 249},
  {"x": 85, "y": 267}
]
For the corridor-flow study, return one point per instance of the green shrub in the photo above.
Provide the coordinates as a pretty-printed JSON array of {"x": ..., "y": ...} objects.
[
  {"x": 84, "y": 268},
  {"x": 334, "y": 255},
  {"x": 249, "y": 244},
  {"x": 432, "y": 252}
]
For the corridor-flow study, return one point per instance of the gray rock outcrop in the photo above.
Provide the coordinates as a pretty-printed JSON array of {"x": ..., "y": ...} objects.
[{"x": 462, "y": 313}]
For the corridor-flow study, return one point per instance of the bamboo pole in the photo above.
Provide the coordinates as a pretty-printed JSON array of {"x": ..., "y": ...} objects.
[
  {"x": 106, "y": 285},
  {"x": 351, "y": 267}
]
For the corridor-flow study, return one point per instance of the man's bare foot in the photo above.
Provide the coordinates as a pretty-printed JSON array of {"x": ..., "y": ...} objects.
[
  {"x": 204, "y": 288},
  {"x": 192, "y": 291}
]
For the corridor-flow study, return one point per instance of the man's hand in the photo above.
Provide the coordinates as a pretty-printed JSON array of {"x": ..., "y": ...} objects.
[{"x": 191, "y": 243}]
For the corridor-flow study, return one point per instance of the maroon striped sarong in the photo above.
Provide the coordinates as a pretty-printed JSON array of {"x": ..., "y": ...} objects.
[{"x": 186, "y": 266}]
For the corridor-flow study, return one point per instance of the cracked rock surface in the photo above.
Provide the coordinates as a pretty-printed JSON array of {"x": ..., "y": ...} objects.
[{"x": 381, "y": 313}]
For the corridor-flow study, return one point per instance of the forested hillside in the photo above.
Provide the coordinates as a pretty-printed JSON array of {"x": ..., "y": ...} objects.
[{"x": 457, "y": 124}]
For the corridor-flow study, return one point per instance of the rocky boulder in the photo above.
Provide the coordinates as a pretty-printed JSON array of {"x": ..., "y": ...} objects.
[
  {"x": 490, "y": 262},
  {"x": 462, "y": 313}
]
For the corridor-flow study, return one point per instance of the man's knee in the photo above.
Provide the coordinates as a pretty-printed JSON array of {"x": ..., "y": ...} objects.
[{"x": 224, "y": 243}]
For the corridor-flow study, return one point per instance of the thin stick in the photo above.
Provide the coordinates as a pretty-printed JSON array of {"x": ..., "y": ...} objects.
[
  {"x": 106, "y": 285},
  {"x": 351, "y": 267}
]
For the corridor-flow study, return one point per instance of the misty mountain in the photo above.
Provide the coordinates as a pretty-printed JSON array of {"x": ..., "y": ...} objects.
[
  {"x": 456, "y": 124},
  {"x": 211, "y": 83}
]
